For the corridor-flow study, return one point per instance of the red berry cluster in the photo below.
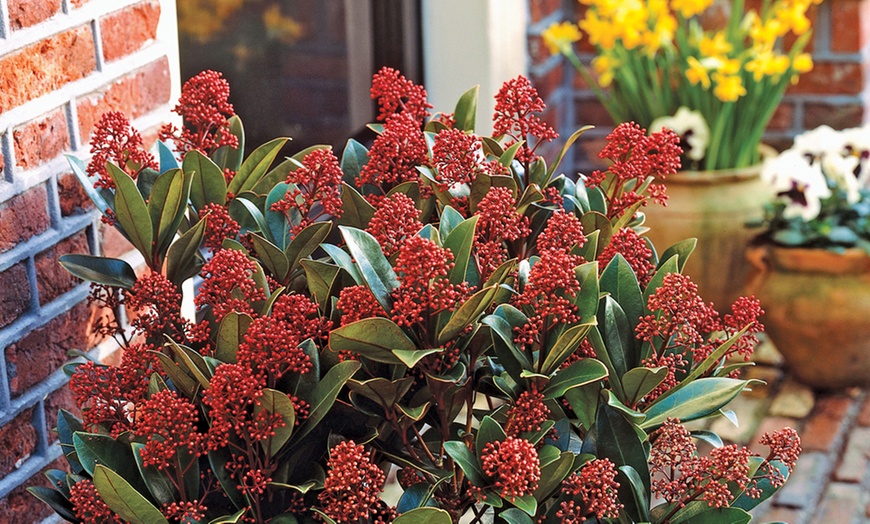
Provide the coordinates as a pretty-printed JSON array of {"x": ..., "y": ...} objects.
[
  {"x": 219, "y": 226},
  {"x": 593, "y": 492},
  {"x": 205, "y": 108},
  {"x": 88, "y": 506},
  {"x": 395, "y": 219},
  {"x": 527, "y": 413},
  {"x": 353, "y": 484},
  {"x": 115, "y": 140},
  {"x": 637, "y": 253},
  {"x": 396, "y": 94},
  {"x": 499, "y": 222},
  {"x": 315, "y": 191},
  {"x": 229, "y": 284},
  {"x": 168, "y": 423},
  {"x": 515, "y": 106},
  {"x": 395, "y": 155},
  {"x": 513, "y": 467}
]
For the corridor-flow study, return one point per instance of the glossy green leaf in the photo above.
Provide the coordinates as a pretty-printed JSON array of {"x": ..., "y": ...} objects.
[
  {"x": 182, "y": 380},
  {"x": 279, "y": 173},
  {"x": 628, "y": 475},
  {"x": 131, "y": 211},
  {"x": 373, "y": 266},
  {"x": 159, "y": 485},
  {"x": 354, "y": 157},
  {"x": 596, "y": 221},
  {"x": 582, "y": 372},
  {"x": 619, "y": 280},
  {"x": 229, "y": 157},
  {"x": 565, "y": 346},
  {"x": 254, "y": 213},
  {"x": 682, "y": 249},
  {"x": 747, "y": 503},
  {"x": 93, "y": 449},
  {"x": 56, "y": 500},
  {"x": 375, "y": 338},
  {"x": 424, "y": 516},
  {"x": 306, "y": 242},
  {"x": 483, "y": 183},
  {"x": 234, "y": 518},
  {"x": 182, "y": 258},
  {"x": 123, "y": 499},
  {"x": 218, "y": 460},
  {"x": 459, "y": 241},
  {"x": 552, "y": 475},
  {"x": 271, "y": 256},
  {"x": 589, "y": 295},
  {"x": 255, "y": 166},
  {"x": 343, "y": 261},
  {"x": 639, "y": 381},
  {"x": 466, "y": 313},
  {"x": 584, "y": 402},
  {"x": 463, "y": 457},
  {"x": 510, "y": 153},
  {"x": 209, "y": 186},
  {"x": 465, "y": 113},
  {"x": 323, "y": 396},
  {"x": 356, "y": 211},
  {"x": 385, "y": 393},
  {"x": 702, "y": 397},
  {"x": 277, "y": 402},
  {"x": 489, "y": 431},
  {"x": 192, "y": 361},
  {"x": 713, "y": 516},
  {"x": 526, "y": 503},
  {"x": 617, "y": 337},
  {"x": 103, "y": 270},
  {"x": 450, "y": 219},
  {"x": 87, "y": 183},
  {"x": 321, "y": 277}
]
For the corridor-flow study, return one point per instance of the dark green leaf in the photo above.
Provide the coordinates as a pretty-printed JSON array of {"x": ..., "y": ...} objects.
[
  {"x": 465, "y": 113},
  {"x": 640, "y": 496},
  {"x": 552, "y": 475},
  {"x": 218, "y": 460},
  {"x": 588, "y": 296},
  {"x": 375, "y": 338},
  {"x": 103, "y": 270},
  {"x": 322, "y": 397},
  {"x": 617, "y": 337},
  {"x": 565, "y": 345},
  {"x": 424, "y": 516},
  {"x": 271, "y": 256},
  {"x": 343, "y": 261},
  {"x": 123, "y": 499},
  {"x": 354, "y": 157},
  {"x": 463, "y": 457},
  {"x": 255, "y": 166},
  {"x": 182, "y": 259},
  {"x": 526, "y": 503},
  {"x": 131, "y": 211},
  {"x": 467, "y": 313},
  {"x": 167, "y": 205},
  {"x": 373, "y": 266},
  {"x": 595, "y": 221},
  {"x": 321, "y": 277},
  {"x": 489, "y": 431},
  {"x": 459, "y": 241},
  {"x": 584, "y": 371},
  {"x": 450, "y": 219},
  {"x": 159, "y": 485},
  {"x": 93, "y": 449},
  {"x": 638, "y": 382},
  {"x": 683, "y": 249},
  {"x": 356, "y": 211},
  {"x": 708, "y": 515},
  {"x": 619, "y": 280},
  {"x": 56, "y": 500},
  {"x": 228, "y": 157},
  {"x": 702, "y": 397},
  {"x": 274, "y": 401},
  {"x": 306, "y": 242},
  {"x": 209, "y": 185}
]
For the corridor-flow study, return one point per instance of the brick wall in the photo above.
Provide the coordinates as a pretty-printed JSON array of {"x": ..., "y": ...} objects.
[
  {"x": 62, "y": 64},
  {"x": 836, "y": 92}
]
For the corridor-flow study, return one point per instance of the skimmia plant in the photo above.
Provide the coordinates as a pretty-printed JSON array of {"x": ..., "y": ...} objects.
[{"x": 441, "y": 308}]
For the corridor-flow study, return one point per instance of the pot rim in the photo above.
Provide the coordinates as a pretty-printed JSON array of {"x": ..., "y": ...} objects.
[
  {"x": 811, "y": 260},
  {"x": 723, "y": 176}
]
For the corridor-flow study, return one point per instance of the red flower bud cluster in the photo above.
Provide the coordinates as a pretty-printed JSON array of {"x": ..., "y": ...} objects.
[
  {"x": 157, "y": 304},
  {"x": 395, "y": 219},
  {"x": 357, "y": 303},
  {"x": 527, "y": 413},
  {"x": 205, "y": 108},
  {"x": 271, "y": 343},
  {"x": 229, "y": 270},
  {"x": 353, "y": 484},
  {"x": 396, "y": 94},
  {"x": 168, "y": 423},
  {"x": 515, "y": 105},
  {"x": 315, "y": 191},
  {"x": 88, "y": 506},
  {"x": 395, "y": 154},
  {"x": 458, "y": 159},
  {"x": 785, "y": 447},
  {"x": 594, "y": 493},
  {"x": 513, "y": 467},
  {"x": 634, "y": 157},
  {"x": 499, "y": 222},
  {"x": 115, "y": 140},
  {"x": 233, "y": 393},
  {"x": 219, "y": 226},
  {"x": 634, "y": 249}
]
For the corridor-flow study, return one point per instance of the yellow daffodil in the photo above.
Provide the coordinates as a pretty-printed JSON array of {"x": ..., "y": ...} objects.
[
  {"x": 803, "y": 63},
  {"x": 728, "y": 87},
  {"x": 560, "y": 37},
  {"x": 716, "y": 45},
  {"x": 765, "y": 33},
  {"x": 604, "y": 66},
  {"x": 697, "y": 73},
  {"x": 767, "y": 63},
  {"x": 690, "y": 8},
  {"x": 728, "y": 66},
  {"x": 600, "y": 32}
]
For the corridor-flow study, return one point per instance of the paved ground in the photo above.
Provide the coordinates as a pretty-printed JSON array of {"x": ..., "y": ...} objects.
[{"x": 831, "y": 482}]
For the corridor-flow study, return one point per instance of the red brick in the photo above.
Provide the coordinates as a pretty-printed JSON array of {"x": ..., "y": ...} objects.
[
  {"x": 769, "y": 425},
  {"x": 72, "y": 196},
  {"x": 61, "y": 399},
  {"x": 538, "y": 50},
  {"x": 36, "y": 356},
  {"x": 841, "y": 503},
  {"x": 134, "y": 95},
  {"x": 41, "y": 140},
  {"x": 79, "y": 3},
  {"x": 17, "y": 442},
  {"x": 126, "y": 31},
  {"x": 850, "y": 25},
  {"x": 112, "y": 243},
  {"x": 25, "y": 13},
  {"x": 824, "y": 425},
  {"x": 16, "y": 298},
  {"x": 540, "y": 9},
  {"x": 782, "y": 118},
  {"x": 842, "y": 78},
  {"x": 24, "y": 216},
  {"x": 548, "y": 83},
  {"x": 52, "y": 280},
  {"x": 835, "y": 115},
  {"x": 20, "y": 507},
  {"x": 864, "y": 415},
  {"x": 782, "y": 514},
  {"x": 592, "y": 112},
  {"x": 45, "y": 66}
]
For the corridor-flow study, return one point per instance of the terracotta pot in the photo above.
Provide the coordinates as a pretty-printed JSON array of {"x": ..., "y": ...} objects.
[
  {"x": 712, "y": 206},
  {"x": 817, "y": 305}
]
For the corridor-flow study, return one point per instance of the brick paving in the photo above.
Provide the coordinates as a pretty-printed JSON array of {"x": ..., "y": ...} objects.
[{"x": 831, "y": 482}]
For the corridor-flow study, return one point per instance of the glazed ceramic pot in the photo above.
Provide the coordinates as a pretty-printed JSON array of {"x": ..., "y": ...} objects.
[
  {"x": 714, "y": 207},
  {"x": 817, "y": 305}
]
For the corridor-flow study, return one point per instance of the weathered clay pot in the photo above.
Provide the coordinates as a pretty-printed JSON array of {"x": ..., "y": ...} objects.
[
  {"x": 714, "y": 207},
  {"x": 817, "y": 305}
]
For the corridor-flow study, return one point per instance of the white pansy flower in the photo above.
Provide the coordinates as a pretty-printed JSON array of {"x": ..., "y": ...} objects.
[
  {"x": 692, "y": 129},
  {"x": 797, "y": 183},
  {"x": 819, "y": 141},
  {"x": 841, "y": 171},
  {"x": 857, "y": 144}
]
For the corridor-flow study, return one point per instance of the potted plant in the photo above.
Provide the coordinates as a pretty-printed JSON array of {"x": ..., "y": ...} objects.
[
  {"x": 440, "y": 304},
  {"x": 812, "y": 258},
  {"x": 717, "y": 81}
]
